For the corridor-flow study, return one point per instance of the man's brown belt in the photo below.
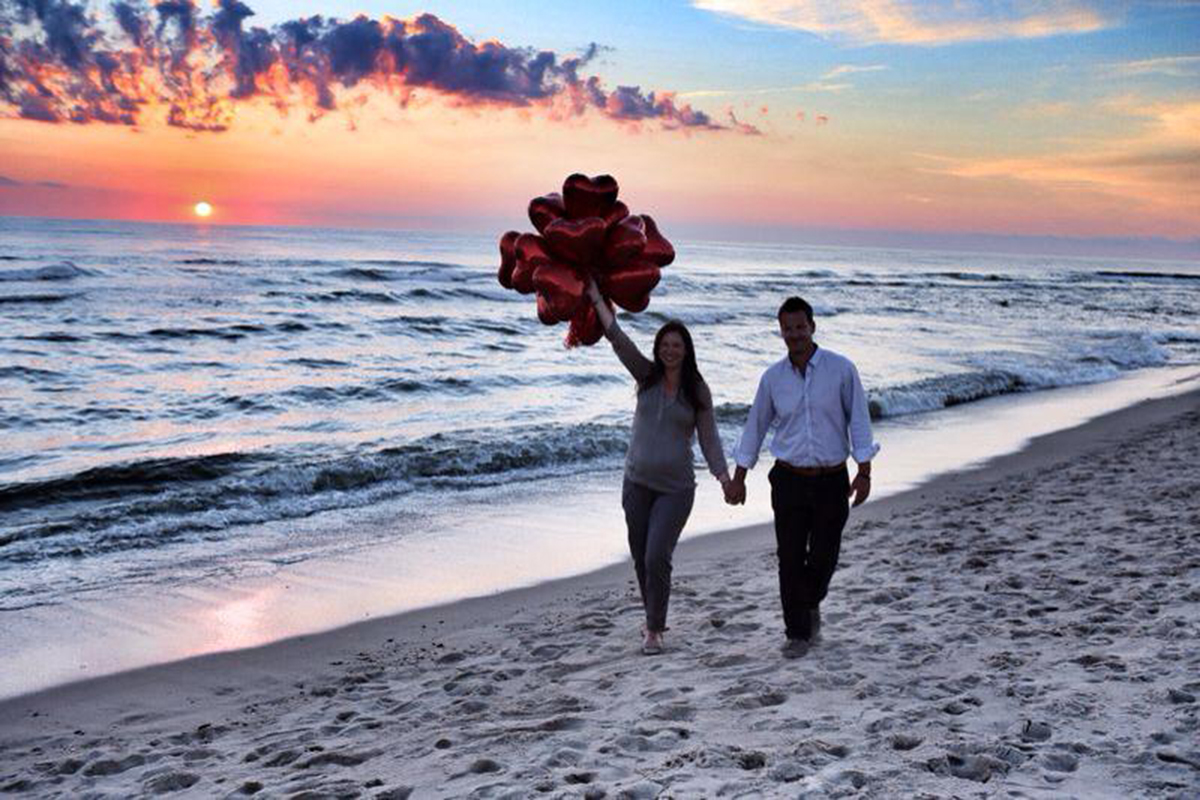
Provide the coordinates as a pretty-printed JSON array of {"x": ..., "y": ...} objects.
[{"x": 809, "y": 472}]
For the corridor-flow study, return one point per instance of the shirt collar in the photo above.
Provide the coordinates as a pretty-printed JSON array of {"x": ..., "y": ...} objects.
[{"x": 816, "y": 358}]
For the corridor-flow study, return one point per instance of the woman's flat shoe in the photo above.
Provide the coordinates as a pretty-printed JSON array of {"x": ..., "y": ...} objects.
[{"x": 652, "y": 643}]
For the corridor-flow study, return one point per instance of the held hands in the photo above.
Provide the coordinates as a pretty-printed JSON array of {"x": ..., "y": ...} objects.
[{"x": 735, "y": 491}]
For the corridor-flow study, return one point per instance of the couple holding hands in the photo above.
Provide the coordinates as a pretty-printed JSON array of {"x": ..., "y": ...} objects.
[{"x": 816, "y": 403}]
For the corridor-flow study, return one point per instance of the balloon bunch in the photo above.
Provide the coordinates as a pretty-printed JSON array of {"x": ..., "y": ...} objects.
[{"x": 585, "y": 231}]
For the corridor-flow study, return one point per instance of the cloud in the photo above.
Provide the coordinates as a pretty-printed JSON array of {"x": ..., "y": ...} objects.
[
  {"x": 822, "y": 84},
  {"x": 1160, "y": 165},
  {"x": 923, "y": 22},
  {"x": 741, "y": 127},
  {"x": 835, "y": 88},
  {"x": 1174, "y": 66},
  {"x": 60, "y": 63},
  {"x": 7, "y": 181},
  {"x": 849, "y": 69}
]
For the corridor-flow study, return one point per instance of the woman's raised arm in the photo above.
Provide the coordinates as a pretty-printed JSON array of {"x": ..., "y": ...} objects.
[{"x": 638, "y": 365}]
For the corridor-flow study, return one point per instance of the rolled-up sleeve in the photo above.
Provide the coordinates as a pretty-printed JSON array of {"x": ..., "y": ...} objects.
[
  {"x": 757, "y": 425},
  {"x": 863, "y": 446}
]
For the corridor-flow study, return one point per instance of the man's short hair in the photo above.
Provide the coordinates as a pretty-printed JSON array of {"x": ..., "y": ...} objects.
[{"x": 794, "y": 304}]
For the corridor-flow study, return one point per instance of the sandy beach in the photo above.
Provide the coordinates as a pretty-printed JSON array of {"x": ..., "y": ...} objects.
[{"x": 1030, "y": 628}]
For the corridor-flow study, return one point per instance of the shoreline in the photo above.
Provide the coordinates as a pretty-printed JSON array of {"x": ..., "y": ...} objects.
[
  {"x": 376, "y": 669},
  {"x": 484, "y": 548},
  {"x": 485, "y": 609}
]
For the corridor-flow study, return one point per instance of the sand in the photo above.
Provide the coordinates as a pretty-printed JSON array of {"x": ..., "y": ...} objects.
[{"x": 1030, "y": 628}]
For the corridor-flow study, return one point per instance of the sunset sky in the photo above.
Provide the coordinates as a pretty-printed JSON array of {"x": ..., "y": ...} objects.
[{"x": 872, "y": 121}]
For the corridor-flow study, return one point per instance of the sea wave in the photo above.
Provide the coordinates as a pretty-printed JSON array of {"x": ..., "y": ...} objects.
[
  {"x": 31, "y": 374},
  {"x": 367, "y": 274},
  {"x": 1102, "y": 358},
  {"x": 399, "y": 269},
  {"x": 339, "y": 296},
  {"x": 155, "y": 502},
  {"x": 51, "y": 336},
  {"x": 400, "y": 262},
  {"x": 1176, "y": 276},
  {"x": 15, "y": 299},
  {"x": 974, "y": 277},
  {"x": 229, "y": 333},
  {"x": 498, "y": 294},
  {"x": 63, "y": 271}
]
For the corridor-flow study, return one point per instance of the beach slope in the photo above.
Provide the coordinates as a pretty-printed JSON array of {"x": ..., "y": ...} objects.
[{"x": 1029, "y": 628}]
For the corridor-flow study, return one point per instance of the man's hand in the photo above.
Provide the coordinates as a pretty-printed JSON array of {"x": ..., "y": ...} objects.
[
  {"x": 735, "y": 492},
  {"x": 860, "y": 488}
]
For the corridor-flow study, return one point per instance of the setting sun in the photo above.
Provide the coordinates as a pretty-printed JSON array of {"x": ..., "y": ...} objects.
[{"x": 203, "y": 209}]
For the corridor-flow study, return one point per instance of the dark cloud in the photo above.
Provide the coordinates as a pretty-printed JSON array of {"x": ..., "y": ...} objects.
[
  {"x": 39, "y": 108},
  {"x": 7, "y": 181},
  {"x": 744, "y": 128},
  {"x": 629, "y": 103},
  {"x": 182, "y": 13},
  {"x": 61, "y": 63},
  {"x": 132, "y": 20},
  {"x": 68, "y": 33},
  {"x": 248, "y": 54},
  {"x": 353, "y": 49}
]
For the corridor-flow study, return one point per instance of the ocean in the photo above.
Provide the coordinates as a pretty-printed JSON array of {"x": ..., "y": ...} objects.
[{"x": 190, "y": 410}]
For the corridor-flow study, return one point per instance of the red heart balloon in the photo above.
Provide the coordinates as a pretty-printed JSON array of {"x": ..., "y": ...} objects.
[
  {"x": 624, "y": 242},
  {"x": 544, "y": 312},
  {"x": 630, "y": 286},
  {"x": 579, "y": 241},
  {"x": 545, "y": 209},
  {"x": 585, "y": 327},
  {"x": 508, "y": 258},
  {"x": 589, "y": 197},
  {"x": 618, "y": 212},
  {"x": 562, "y": 286},
  {"x": 658, "y": 249},
  {"x": 531, "y": 254}
]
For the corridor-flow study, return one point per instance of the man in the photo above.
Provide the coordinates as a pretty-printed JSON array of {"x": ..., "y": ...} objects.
[{"x": 816, "y": 399}]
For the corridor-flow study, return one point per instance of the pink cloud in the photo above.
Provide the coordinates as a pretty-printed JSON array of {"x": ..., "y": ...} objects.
[{"x": 63, "y": 65}]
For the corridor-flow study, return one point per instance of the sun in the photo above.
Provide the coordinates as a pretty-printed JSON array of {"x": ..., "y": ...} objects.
[{"x": 202, "y": 209}]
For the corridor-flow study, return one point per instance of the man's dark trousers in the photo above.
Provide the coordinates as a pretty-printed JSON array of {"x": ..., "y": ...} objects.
[{"x": 810, "y": 513}]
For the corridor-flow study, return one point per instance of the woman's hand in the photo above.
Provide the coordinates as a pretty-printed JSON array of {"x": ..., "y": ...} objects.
[
  {"x": 593, "y": 291},
  {"x": 603, "y": 312}
]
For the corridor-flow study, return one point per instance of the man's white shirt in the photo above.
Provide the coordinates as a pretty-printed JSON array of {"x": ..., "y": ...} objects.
[{"x": 822, "y": 414}]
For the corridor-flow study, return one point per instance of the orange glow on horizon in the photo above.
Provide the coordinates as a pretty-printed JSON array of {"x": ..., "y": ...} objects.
[{"x": 381, "y": 164}]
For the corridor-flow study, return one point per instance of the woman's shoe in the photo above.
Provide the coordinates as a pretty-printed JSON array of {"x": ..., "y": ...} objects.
[{"x": 652, "y": 642}]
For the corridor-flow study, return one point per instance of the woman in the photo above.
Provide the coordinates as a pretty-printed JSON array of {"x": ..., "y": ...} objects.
[{"x": 673, "y": 401}]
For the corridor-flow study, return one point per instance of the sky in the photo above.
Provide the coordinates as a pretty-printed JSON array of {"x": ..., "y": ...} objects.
[{"x": 1072, "y": 126}]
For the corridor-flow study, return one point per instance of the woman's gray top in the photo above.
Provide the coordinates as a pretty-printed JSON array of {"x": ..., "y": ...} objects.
[{"x": 660, "y": 445}]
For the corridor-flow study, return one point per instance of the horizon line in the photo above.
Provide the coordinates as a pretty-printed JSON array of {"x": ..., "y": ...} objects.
[{"x": 875, "y": 238}]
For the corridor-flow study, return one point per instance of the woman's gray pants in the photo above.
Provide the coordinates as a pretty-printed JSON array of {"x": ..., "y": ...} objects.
[{"x": 655, "y": 520}]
